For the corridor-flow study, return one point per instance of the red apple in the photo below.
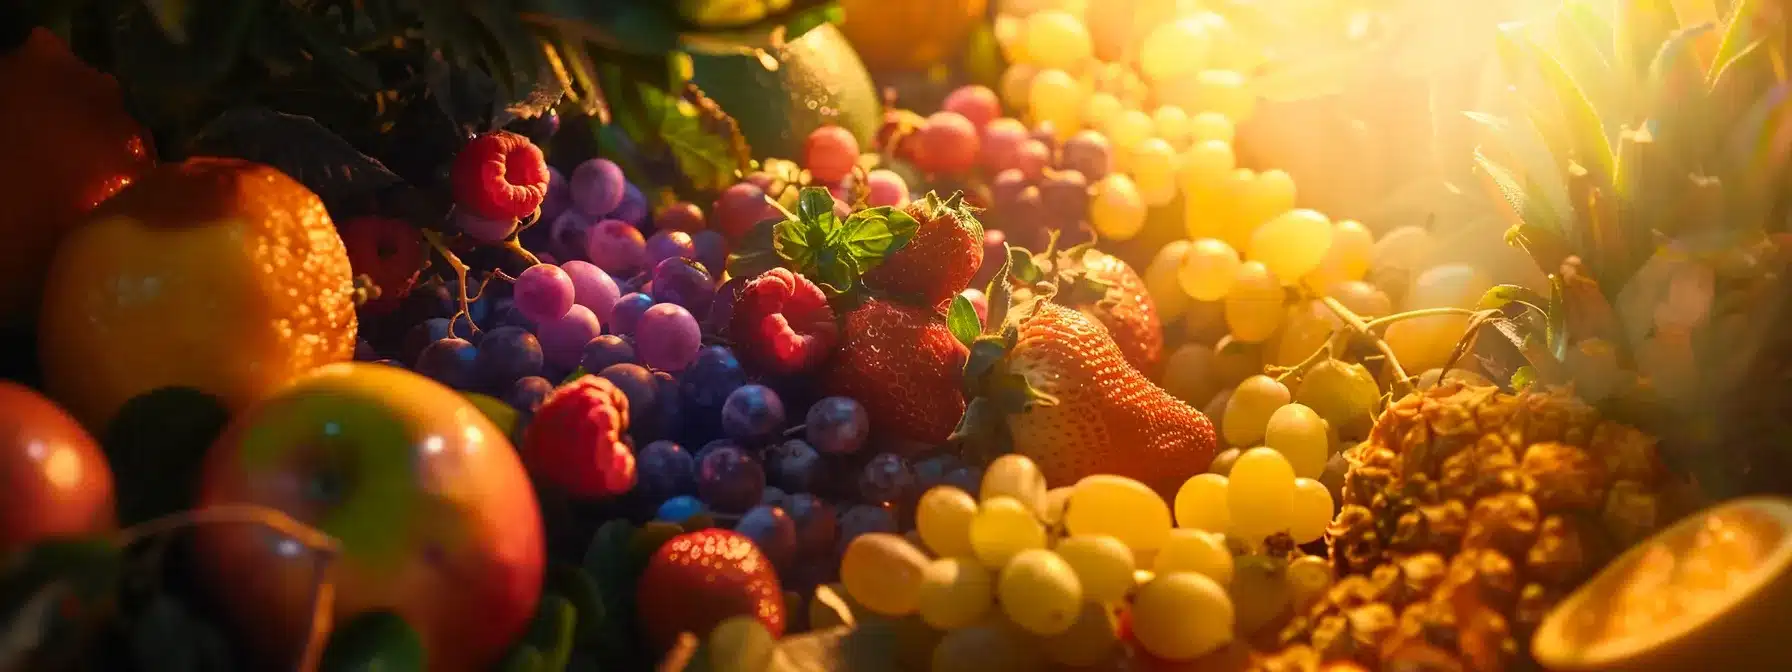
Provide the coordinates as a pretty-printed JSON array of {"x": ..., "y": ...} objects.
[
  {"x": 54, "y": 481},
  {"x": 435, "y": 516}
]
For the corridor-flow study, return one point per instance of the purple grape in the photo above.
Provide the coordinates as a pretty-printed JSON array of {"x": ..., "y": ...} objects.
[
  {"x": 570, "y": 234},
  {"x": 420, "y": 336},
  {"x": 864, "y": 519},
  {"x": 1089, "y": 153},
  {"x": 837, "y": 425},
  {"x": 527, "y": 393},
  {"x": 721, "y": 310},
  {"x": 680, "y": 216},
  {"x": 679, "y": 509},
  {"x": 773, "y": 497},
  {"x": 625, "y": 317},
  {"x": 597, "y": 187},
  {"x": 793, "y": 465},
  {"x": 448, "y": 361},
  {"x": 559, "y": 196},
  {"x": 667, "y": 337},
  {"x": 563, "y": 340},
  {"x": 1023, "y": 221},
  {"x": 605, "y": 351},
  {"x": 664, "y": 470},
  {"x": 993, "y": 257},
  {"x": 684, "y": 283},
  {"x": 641, "y": 388},
  {"x": 817, "y": 525},
  {"x": 711, "y": 377},
  {"x": 543, "y": 293},
  {"x": 885, "y": 478},
  {"x": 633, "y": 208},
  {"x": 1065, "y": 194},
  {"x": 738, "y": 209},
  {"x": 669, "y": 245},
  {"x": 592, "y": 288},
  {"x": 1046, "y": 133},
  {"x": 752, "y": 413},
  {"x": 507, "y": 354},
  {"x": 713, "y": 445},
  {"x": 1005, "y": 188},
  {"x": 710, "y": 249},
  {"x": 482, "y": 229},
  {"x": 617, "y": 247},
  {"x": 772, "y": 530},
  {"x": 885, "y": 187},
  {"x": 729, "y": 479}
]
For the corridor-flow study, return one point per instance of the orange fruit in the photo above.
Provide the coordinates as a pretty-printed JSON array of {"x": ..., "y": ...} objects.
[
  {"x": 69, "y": 145},
  {"x": 218, "y": 274}
]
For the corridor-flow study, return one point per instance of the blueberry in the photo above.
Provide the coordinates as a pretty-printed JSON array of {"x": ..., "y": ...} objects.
[
  {"x": 711, "y": 377},
  {"x": 729, "y": 479},
  {"x": 449, "y": 361},
  {"x": 364, "y": 351},
  {"x": 526, "y": 394},
  {"x": 507, "y": 354},
  {"x": 885, "y": 478},
  {"x": 420, "y": 336},
  {"x": 713, "y": 445},
  {"x": 864, "y": 519},
  {"x": 663, "y": 470},
  {"x": 837, "y": 425},
  {"x": 607, "y": 350},
  {"x": 685, "y": 283},
  {"x": 773, "y": 497},
  {"x": 816, "y": 524},
  {"x": 627, "y": 312},
  {"x": 679, "y": 509},
  {"x": 752, "y": 413},
  {"x": 772, "y": 530},
  {"x": 639, "y": 385},
  {"x": 793, "y": 465}
]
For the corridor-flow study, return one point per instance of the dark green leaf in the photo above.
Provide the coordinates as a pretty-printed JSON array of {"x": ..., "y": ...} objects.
[
  {"x": 766, "y": 34},
  {"x": 872, "y": 234},
  {"x": 962, "y": 320},
  {"x": 298, "y": 146},
  {"x": 553, "y": 630},
  {"x": 1586, "y": 131},
  {"x": 1557, "y": 333},
  {"x": 524, "y": 658},
  {"x": 377, "y": 641},
  {"x": 640, "y": 28},
  {"x": 999, "y": 294},
  {"x": 837, "y": 273},
  {"x": 758, "y": 252},
  {"x": 813, "y": 203},
  {"x": 1082, "y": 289},
  {"x": 1501, "y": 295},
  {"x": 1022, "y": 267},
  {"x": 579, "y": 588},
  {"x": 704, "y": 142},
  {"x": 790, "y": 238},
  {"x": 577, "y": 373}
]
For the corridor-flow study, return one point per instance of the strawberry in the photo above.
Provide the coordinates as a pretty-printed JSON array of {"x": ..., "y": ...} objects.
[
  {"x": 1051, "y": 382},
  {"x": 947, "y": 249},
  {"x": 699, "y": 579},
  {"x": 902, "y": 364},
  {"x": 781, "y": 323},
  {"x": 1106, "y": 288}
]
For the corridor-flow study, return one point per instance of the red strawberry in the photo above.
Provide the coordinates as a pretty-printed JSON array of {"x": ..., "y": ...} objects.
[
  {"x": 575, "y": 441},
  {"x": 1104, "y": 287},
  {"x": 938, "y": 262},
  {"x": 699, "y": 579},
  {"x": 904, "y": 366},
  {"x": 782, "y": 323}
]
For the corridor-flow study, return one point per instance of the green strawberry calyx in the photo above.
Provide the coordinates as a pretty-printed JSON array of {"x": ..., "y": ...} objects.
[
  {"x": 1065, "y": 269},
  {"x": 815, "y": 242},
  {"x": 994, "y": 389}
]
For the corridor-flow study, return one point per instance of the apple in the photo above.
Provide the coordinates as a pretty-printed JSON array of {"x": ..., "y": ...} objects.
[
  {"x": 434, "y": 514},
  {"x": 54, "y": 481}
]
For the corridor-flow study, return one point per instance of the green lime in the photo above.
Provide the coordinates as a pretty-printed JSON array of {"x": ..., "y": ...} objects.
[{"x": 819, "y": 80}]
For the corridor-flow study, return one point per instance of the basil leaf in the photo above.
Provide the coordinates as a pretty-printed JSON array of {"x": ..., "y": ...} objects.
[
  {"x": 837, "y": 272},
  {"x": 871, "y": 235},
  {"x": 791, "y": 239},
  {"x": 962, "y": 320},
  {"x": 813, "y": 202}
]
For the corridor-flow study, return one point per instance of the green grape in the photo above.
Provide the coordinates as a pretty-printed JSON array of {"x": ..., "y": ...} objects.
[
  {"x": 1248, "y": 411},
  {"x": 1182, "y": 616},
  {"x": 1092, "y": 639},
  {"x": 1153, "y": 168},
  {"x": 1015, "y": 477},
  {"x": 1306, "y": 327},
  {"x": 1103, "y": 564},
  {"x": 1301, "y": 436},
  {"x": 1345, "y": 394},
  {"x": 1057, "y": 39},
  {"x": 1002, "y": 528},
  {"x": 1209, "y": 269},
  {"x": 1056, "y": 96},
  {"x": 1174, "y": 49},
  {"x": 1206, "y": 166},
  {"x": 1292, "y": 244},
  {"x": 1188, "y": 374},
  {"x": 1171, "y": 123},
  {"x": 1259, "y": 593},
  {"x": 1116, "y": 209},
  {"x": 1201, "y": 503},
  {"x": 955, "y": 593},
  {"x": 740, "y": 644},
  {"x": 1406, "y": 247},
  {"x": 1190, "y": 550},
  {"x": 1308, "y": 577},
  {"x": 1347, "y": 258},
  {"x": 1260, "y": 495},
  {"x": 1055, "y": 501},
  {"x": 1101, "y": 108},
  {"x": 1255, "y": 303},
  {"x": 1211, "y": 126},
  {"x": 943, "y": 519},
  {"x": 1162, "y": 280},
  {"x": 1121, "y": 508},
  {"x": 1312, "y": 511},
  {"x": 1039, "y": 592},
  {"x": 1362, "y": 298},
  {"x": 883, "y": 572}
]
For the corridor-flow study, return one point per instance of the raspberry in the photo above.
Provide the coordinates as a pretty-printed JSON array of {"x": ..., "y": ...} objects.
[
  {"x": 390, "y": 251},
  {"x": 782, "y": 323},
  {"x": 500, "y": 175},
  {"x": 575, "y": 439}
]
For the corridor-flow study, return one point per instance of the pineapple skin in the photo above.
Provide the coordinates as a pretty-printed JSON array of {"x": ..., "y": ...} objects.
[{"x": 1467, "y": 515}]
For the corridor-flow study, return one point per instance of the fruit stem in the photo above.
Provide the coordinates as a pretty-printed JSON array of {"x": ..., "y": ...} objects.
[
  {"x": 1361, "y": 328},
  {"x": 1323, "y": 353},
  {"x": 1411, "y": 314},
  {"x": 681, "y": 655}
]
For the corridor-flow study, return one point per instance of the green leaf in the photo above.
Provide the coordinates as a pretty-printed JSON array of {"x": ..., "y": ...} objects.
[
  {"x": 962, "y": 320},
  {"x": 1736, "y": 35},
  {"x": 553, "y": 630},
  {"x": 524, "y": 658},
  {"x": 581, "y": 590},
  {"x": 871, "y": 235},
  {"x": 1524, "y": 377},
  {"x": 1586, "y": 132},
  {"x": 791, "y": 240},
  {"x": 300, "y": 147},
  {"x": 757, "y": 252},
  {"x": 1082, "y": 289},
  {"x": 577, "y": 373},
  {"x": 1582, "y": 55},
  {"x": 704, "y": 142},
  {"x": 1529, "y": 207},
  {"x": 813, "y": 205},
  {"x": 1557, "y": 333},
  {"x": 1638, "y": 27},
  {"x": 837, "y": 273},
  {"x": 502, "y": 415},
  {"x": 999, "y": 295},
  {"x": 639, "y": 28}
]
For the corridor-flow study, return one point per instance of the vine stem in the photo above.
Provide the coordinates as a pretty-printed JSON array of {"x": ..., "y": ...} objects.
[
  {"x": 1422, "y": 312},
  {"x": 1360, "y": 327}
]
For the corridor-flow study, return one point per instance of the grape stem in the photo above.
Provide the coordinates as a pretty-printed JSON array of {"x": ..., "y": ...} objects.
[
  {"x": 1359, "y": 327},
  {"x": 1422, "y": 312}
]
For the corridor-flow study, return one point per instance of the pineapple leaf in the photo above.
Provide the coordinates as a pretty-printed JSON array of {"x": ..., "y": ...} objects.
[
  {"x": 1674, "y": 91},
  {"x": 1530, "y": 208},
  {"x": 1638, "y": 27},
  {"x": 1736, "y": 34},
  {"x": 1588, "y": 138},
  {"x": 1556, "y": 333},
  {"x": 1578, "y": 47},
  {"x": 1735, "y": 82},
  {"x": 1501, "y": 296},
  {"x": 1751, "y": 139}
]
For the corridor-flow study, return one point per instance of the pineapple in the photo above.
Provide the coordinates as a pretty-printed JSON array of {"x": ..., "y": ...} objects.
[{"x": 1639, "y": 184}]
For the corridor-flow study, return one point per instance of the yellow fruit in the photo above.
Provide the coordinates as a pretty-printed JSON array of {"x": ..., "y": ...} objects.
[
  {"x": 1173, "y": 50},
  {"x": 1056, "y": 39},
  {"x": 1222, "y": 91}
]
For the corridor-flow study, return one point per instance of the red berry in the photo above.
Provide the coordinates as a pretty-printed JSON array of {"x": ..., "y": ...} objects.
[
  {"x": 575, "y": 440},
  {"x": 979, "y": 104},
  {"x": 830, "y": 154},
  {"x": 699, "y": 579},
  {"x": 390, "y": 251},
  {"x": 782, "y": 323},
  {"x": 500, "y": 175},
  {"x": 948, "y": 144}
]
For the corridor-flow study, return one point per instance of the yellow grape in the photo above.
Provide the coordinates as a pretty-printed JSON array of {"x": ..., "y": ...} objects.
[
  {"x": 1230, "y": 50},
  {"x": 1361, "y": 298},
  {"x": 1269, "y": 194},
  {"x": 1010, "y": 34},
  {"x": 1248, "y": 410},
  {"x": 1205, "y": 322},
  {"x": 1055, "y": 96},
  {"x": 1426, "y": 342},
  {"x": 1201, "y": 504},
  {"x": 1312, "y": 511},
  {"x": 1163, "y": 280},
  {"x": 1199, "y": 551},
  {"x": 1254, "y": 303},
  {"x": 1039, "y": 592},
  {"x": 1153, "y": 168},
  {"x": 1119, "y": 507},
  {"x": 1208, "y": 126},
  {"x": 1016, "y": 477},
  {"x": 1448, "y": 286},
  {"x": 1002, "y": 528},
  {"x": 943, "y": 519},
  {"x": 1055, "y": 501},
  {"x": 1171, "y": 124},
  {"x": 1219, "y": 211},
  {"x": 1100, "y": 109},
  {"x": 1209, "y": 269},
  {"x": 1116, "y": 209},
  {"x": 1299, "y": 434},
  {"x": 1016, "y": 87},
  {"x": 1057, "y": 39},
  {"x": 1260, "y": 494},
  {"x": 1092, "y": 639},
  {"x": 1224, "y": 91},
  {"x": 737, "y": 644},
  {"x": 1182, "y": 616},
  {"x": 1174, "y": 49},
  {"x": 954, "y": 593},
  {"x": 1346, "y": 259},
  {"x": 1188, "y": 374},
  {"x": 1308, "y": 577},
  {"x": 1406, "y": 247},
  {"x": 883, "y": 572},
  {"x": 1102, "y": 563},
  {"x": 1306, "y": 328},
  {"x": 1292, "y": 244},
  {"x": 1126, "y": 131},
  {"x": 1206, "y": 166}
]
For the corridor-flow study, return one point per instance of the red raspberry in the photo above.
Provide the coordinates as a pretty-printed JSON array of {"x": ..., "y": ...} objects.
[
  {"x": 390, "y": 251},
  {"x": 782, "y": 323},
  {"x": 500, "y": 175},
  {"x": 575, "y": 439},
  {"x": 699, "y": 579}
]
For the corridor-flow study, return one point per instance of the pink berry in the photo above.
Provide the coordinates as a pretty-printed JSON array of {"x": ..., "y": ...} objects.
[
  {"x": 667, "y": 337},
  {"x": 617, "y": 247},
  {"x": 1033, "y": 159},
  {"x": 887, "y": 188},
  {"x": 737, "y": 209},
  {"x": 830, "y": 153},
  {"x": 1000, "y": 146},
  {"x": 680, "y": 216},
  {"x": 563, "y": 340},
  {"x": 592, "y": 288},
  {"x": 979, "y": 104},
  {"x": 483, "y": 229},
  {"x": 543, "y": 292},
  {"x": 948, "y": 144}
]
